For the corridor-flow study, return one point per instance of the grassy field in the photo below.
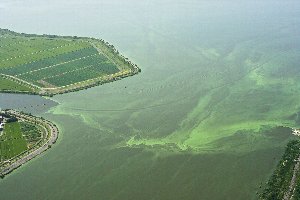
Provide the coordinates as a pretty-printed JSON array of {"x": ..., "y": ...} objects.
[
  {"x": 18, "y": 137},
  {"x": 52, "y": 64},
  {"x": 33, "y": 49},
  {"x": 9, "y": 85},
  {"x": 12, "y": 142}
]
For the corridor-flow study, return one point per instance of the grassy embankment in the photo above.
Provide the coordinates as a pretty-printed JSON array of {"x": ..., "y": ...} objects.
[{"x": 11, "y": 86}]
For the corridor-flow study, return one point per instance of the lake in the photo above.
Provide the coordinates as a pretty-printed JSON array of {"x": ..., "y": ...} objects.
[{"x": 202, "y": 120}]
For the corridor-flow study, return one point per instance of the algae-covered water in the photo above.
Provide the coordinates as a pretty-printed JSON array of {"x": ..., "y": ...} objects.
[{"x": 206, "y": 119}]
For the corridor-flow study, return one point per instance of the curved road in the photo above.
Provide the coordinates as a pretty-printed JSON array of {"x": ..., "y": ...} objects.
[{"x": 30, "y": 154}]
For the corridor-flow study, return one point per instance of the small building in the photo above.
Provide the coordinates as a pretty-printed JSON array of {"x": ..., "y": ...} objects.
[
  {"x": 296, "y": 132},
  {"x": 1, "y": 126}
]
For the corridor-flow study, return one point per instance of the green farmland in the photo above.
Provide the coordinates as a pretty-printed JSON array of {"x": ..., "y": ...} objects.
[
  {"x": 9, "y": 85},
  {"x": 50, "y": 64},
  {"x": 12, "y": 142},
  {"x": 18, "y": 137}
]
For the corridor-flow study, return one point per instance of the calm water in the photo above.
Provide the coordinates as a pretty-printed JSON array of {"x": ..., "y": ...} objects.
[
  {"x": 27, "y": 103},
  {"x": 190, "y": 126}
]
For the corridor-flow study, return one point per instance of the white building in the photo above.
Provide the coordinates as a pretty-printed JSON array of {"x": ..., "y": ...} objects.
[{"x": 296, "y": 132}]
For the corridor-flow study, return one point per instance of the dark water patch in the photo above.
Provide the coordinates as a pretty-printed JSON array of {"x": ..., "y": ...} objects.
[
  {"x": 250, "y": 140},
  {"x": 141, "y": 177},
  {"x": 27, "y": 103},
  {"x": 280, "y": 132}
]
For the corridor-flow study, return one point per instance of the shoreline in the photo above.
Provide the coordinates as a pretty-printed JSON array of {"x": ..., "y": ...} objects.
[
  {"x": 51, "y": 137},
  {"x": 125, "y": 66},
  {"x": 46, "y": 92}
]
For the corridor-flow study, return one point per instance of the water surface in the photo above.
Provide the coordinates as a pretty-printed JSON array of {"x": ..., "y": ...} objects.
[{"x": 202, "y": 120}]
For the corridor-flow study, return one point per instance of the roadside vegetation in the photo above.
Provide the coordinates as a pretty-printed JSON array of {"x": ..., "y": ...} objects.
[
  {"x": 31, "y": 133},
  {"x": 281, "y": 178}
]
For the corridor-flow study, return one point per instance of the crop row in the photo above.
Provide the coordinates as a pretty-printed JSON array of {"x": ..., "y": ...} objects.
[
  {"x": 63, "y": 68},
  {"x": 22, "y": 53},
  {"x": 47, "y": 62},
  {"x": 94, "y": 71},
  {"x": 21, "y": 47}
]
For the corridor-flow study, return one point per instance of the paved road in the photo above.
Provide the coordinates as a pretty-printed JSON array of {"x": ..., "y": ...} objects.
[{"x": 289, "y": 194}]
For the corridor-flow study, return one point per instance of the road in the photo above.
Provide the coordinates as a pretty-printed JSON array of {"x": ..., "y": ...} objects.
[
  {"x": 30, "y": 154},
  {"x": 289, "y": 194}
]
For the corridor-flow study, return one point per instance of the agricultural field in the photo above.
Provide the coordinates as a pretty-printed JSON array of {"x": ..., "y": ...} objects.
[
  {"x": 49, "y": 65},
  {"x": 18, "y": 137},
  {"x": 9, "y": 85},
  {"x": 12, "y": 142}
]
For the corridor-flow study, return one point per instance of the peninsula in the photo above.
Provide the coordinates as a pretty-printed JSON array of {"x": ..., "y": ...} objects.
[
  {"x": 49, "y": 64},
  {"x": 23, "y": 137}
]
